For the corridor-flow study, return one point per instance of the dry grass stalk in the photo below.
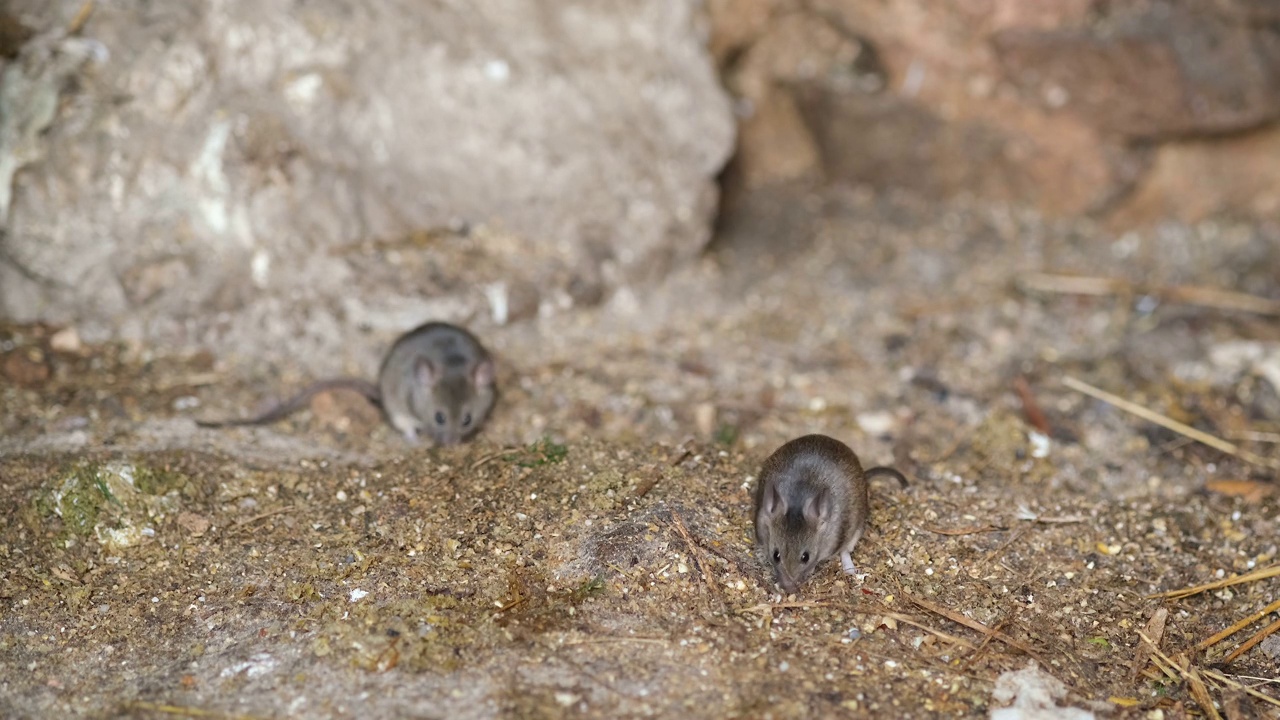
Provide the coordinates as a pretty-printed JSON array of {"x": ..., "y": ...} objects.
[
  {"x": 974, "y": 530},
  {"x": 1248, "y": 644},
  {"x": 81, "y": 17},
  {"x": 1219, "y": 677},
  {"x": 1259, "y": 574},
  {"x": 953, "y": 639},
  {"x": 1183, "y": 294},
  {"x": 694, "y": 553},
  {"x": 1189, "y": 675},
  {"x": 1237, "y": 627},
  {"x": 972, "y": 624},
  {"x": 1214, "y": 442},
  {"x": 768, "y": 608},
  {"x": 186, "y": 711}
]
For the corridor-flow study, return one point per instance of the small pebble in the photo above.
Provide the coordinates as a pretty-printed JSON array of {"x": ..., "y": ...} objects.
[{"x": 66, "y": 340}]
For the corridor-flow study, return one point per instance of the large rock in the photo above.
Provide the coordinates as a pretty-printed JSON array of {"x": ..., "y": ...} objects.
[
  {"x": 1154, "y": 72},
  {"x": 1072, "y": 106},
  {"x": 1193, "y": 180},
  {"x": 902, "y": 95},
  {"x": 244, "y": 171}
]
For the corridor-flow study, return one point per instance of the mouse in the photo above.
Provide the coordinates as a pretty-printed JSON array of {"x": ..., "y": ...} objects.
[
  {"x": 436, "y": 381},
  {"x": 812, "y": 503}
]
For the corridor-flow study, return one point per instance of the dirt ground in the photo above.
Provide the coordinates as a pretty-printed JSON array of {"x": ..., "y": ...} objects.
[{"x": 590, "y": 554}]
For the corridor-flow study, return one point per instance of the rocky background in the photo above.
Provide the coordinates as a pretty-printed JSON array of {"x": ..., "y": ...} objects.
[
  {"x": 1134, "y": 113},
  {"x": 688, "y": 232},
  {"x": 272, "y": 181}
]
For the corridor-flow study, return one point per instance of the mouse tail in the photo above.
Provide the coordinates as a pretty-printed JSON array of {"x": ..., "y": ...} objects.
[
  {"x": 882, "y": 470},
  {"x": 297, "y": 402}
]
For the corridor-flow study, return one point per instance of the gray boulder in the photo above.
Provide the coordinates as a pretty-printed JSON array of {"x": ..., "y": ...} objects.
[{"x": 272, "y": 178}]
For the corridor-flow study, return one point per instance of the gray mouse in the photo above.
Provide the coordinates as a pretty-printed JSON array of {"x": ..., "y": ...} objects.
[
  {"x": 812, "y": 503},
  {"x": 436, "y": 380}
]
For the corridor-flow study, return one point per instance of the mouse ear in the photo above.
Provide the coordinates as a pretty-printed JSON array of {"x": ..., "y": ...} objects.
[
  {"x": 772, "y": 503},
  {"x": 424, "y": 373},
  {"x": 816, "y": 508},
  {"x": 483, "y": 374}
]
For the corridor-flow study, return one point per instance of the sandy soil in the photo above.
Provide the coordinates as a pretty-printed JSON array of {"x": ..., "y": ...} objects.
[{"x": 590, "y": 554}]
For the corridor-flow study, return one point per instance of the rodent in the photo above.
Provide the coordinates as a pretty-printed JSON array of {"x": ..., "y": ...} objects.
[
  {"x": 436, "y": 380},
  {"x": 812, "y": 503}
]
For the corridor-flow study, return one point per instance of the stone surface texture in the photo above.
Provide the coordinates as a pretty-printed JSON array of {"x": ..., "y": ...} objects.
[
  {"x": 1075, "y": 107},
  {"x": 239, "y": 173}
]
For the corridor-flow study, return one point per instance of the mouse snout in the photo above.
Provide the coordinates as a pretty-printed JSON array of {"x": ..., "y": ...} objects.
[
  {"x": 448, "y": 438},
  {"x": 788, "y": 583}
]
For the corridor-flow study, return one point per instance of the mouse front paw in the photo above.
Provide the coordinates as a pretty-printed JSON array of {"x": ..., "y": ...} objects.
[
  {"x": 846, "y": 562},
  {"x": 407, "y": 426},
  {"x": 409, "y": 433}
]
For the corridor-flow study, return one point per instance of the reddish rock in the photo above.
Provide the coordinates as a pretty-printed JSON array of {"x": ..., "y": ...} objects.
[
  {"x": 736, "y": 24},
  {"x": 1072, "y": 106},
  {"x": 774, "y": 144},
  {"x": 884, "y": 141},
  {"x": 1192, "y": 180},
  {"x": 25, "y": 366},
  {"x": 1042, "y": 14},
  {"x": 906, "y": 95},
  {"x": 1182, "y": 76}
]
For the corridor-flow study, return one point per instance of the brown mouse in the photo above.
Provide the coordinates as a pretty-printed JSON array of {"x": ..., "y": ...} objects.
[
  {"x": 436, "y": 380},
  {"x": 812, "y": 503}
]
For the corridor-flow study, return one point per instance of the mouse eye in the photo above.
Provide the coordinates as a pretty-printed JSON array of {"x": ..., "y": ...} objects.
[
  {"x": 777, "y": 556},
  {"x": 466, "y": 420},
  {"x": 439, "y": 418},
  {"x": 804, "y": 557}
]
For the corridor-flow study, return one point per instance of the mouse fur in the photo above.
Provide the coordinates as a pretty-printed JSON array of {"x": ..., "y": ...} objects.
[
  {"x": 437, "y": 380},
  {"x": 812, "y": 504}
]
